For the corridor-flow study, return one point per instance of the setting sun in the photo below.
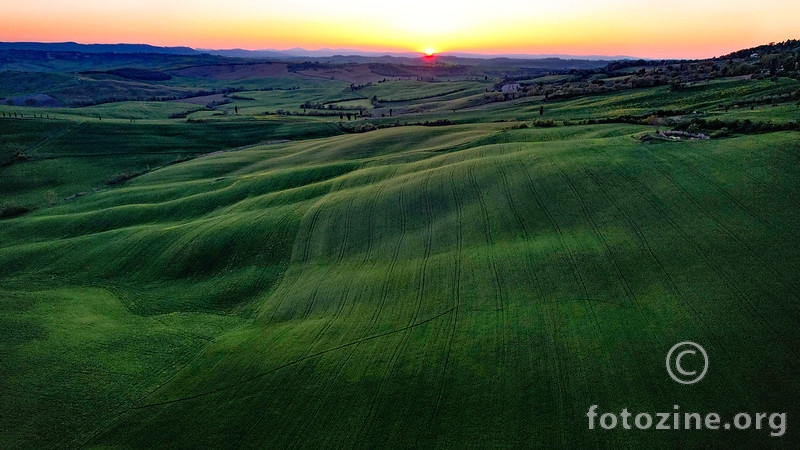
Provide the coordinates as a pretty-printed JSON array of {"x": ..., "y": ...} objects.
[{"x": 576, "y": 27}]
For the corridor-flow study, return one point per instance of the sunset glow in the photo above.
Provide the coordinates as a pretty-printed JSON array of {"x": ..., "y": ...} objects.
[{"x": 682, "y": 28}]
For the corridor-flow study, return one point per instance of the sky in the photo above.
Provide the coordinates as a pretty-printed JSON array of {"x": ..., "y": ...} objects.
[{"x": 641, "y": 28}]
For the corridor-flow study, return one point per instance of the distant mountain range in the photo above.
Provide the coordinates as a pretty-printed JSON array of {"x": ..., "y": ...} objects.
[
  {"x": 259, "y": 54},
  {"x": 328, "y": 52},
  {"x": 96, "y": 48}
]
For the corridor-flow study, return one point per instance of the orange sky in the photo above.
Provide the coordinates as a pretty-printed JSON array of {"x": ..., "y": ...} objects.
[{"x": 678, "y": 28}]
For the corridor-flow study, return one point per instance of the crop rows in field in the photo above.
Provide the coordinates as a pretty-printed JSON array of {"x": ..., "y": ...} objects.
[{"x": 468, "y": 286}]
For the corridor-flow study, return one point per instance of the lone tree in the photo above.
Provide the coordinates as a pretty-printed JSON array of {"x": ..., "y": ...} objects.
[{"x": 655, "y": 121}]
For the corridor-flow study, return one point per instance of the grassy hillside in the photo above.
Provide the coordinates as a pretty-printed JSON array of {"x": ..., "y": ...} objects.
[
  {"x": 463, "y": 286},
  {"x": 43, "y": 161},
  {"x": 319, "y": 255}
]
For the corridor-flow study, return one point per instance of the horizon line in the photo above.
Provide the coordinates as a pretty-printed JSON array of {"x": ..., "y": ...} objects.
[{"x": 344, "y": 51}]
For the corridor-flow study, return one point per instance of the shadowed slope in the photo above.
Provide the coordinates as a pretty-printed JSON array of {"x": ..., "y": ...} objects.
[{"x": 459, "y": 287}]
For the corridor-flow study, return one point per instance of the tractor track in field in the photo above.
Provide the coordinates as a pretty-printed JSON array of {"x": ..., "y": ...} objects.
[
  {"x": 510, "y": 200},
  {"x": 720, "y": 189},
  {"x": 299, "y": 360},
  {"x": 741, "y": 171},
  {"x": 367, "y": 258},
  {"x": 637, "y": 231},
  {"x": 136, "y": 244},
  {"x": 304, "y": 258},
  {"x": 289, "y": 288},
  {"x": 598, "y": 234},
  {"x": 351, "y": 281},
  {"x": 606, "y": 248},
  {"x": 401, "y": 347},
  {"x": 177, "y": 372},
  {"x": 312, "y": 226},
  {"x": 719, "y": 270},
  {"x": 676, "y": 291},
  {"x": 384, "y": 295},
  {"x": 456, "y": 299},
  {"x": 339, "y": 369},
  {"x": 276, "y": 227},
  {"x": 340, "y": 309},
  {"x": 210, "y": 228},
  {"x": 557, "y": 228},
  {"x": 285, "y": 294},
  {"x": 741, "y": 242},
  {"x": 428, "y": 246},
  {"x": 558, "y": 357},
  {"x": 71, "y": 126},
  {"x": 393, "y": 262},
  {"x": 711, "y": 182},
  {"x": 339, "y": 257},
  {"x": 531, "y": 268},
  {"x": 487, "y": 233},
  {"x": 348, "y": 218},
  {"x": 423, "y": 270},
  {"x": 337, "y": 315},
  {"x": 500, "y": 300},
  {"x": 174, "y": 255},
  {"x": 609, "y": 360},
  {"x": 272, "y": 232}
]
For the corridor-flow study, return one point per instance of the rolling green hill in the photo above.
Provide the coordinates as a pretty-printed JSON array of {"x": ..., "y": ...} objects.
[
  {"x": 475, "y": 271},
  {"x": 463, "y": 286}
]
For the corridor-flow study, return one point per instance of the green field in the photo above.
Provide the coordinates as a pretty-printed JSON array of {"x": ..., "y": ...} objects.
[{"x": 265, "y": 281}]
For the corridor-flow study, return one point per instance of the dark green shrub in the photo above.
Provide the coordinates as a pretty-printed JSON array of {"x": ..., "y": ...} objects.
[{"x": 544, "y": 123}]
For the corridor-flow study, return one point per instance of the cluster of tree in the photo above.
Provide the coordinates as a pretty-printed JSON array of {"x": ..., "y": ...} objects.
[
  {"x": 268, "y": 89},
  {"x": 22, "y": 116},
  {"x": 411, "y": 99},
  {"x": 437, "y": 123},
  {"x": 746, "y": 126},
  {"x": 356, "y": 87},
  {"x": 321, "y": 113},
  {"x": 431, "y": 72},
  {"x": 789, "y": 46},
  {"x": 307, "y": 65},
  {"x": 184, "y": 114},
  {"x": 766, "y": 61},
  {"x": 690, "y": 123},
  {"x": 122, "y": 177},
  {"x": 544, "y": 123},
  {"x": 12, "y": 209},
  {"x": 134, "y": 74},
  {"x": 360, "y": 128},
  {"x": 332, "y": 107}
]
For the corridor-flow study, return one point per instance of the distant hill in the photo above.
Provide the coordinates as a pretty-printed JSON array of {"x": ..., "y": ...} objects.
[
  {"x": 241, "y": 53},
  {"x": 351, "y": 53},
  {"x": 96, "y": 48},
  {"x": 788, "y": 46}
]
